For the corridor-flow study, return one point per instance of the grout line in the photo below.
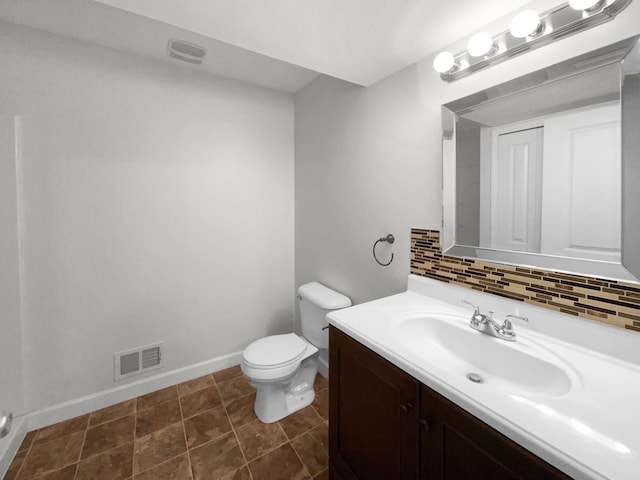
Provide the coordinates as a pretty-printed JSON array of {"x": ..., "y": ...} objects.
[
  {"x": 24, "y": 460},
  {"x": 115, "y": 418},
  {"x": 184, "y": 433},
  {"x": 233, "y": 429},
  {"x": 304, "y": 465},
  {"x": 181, "y": 421},
  {"x": 84, "y": 440},
  {"x": 135, "y": 438},
  {"x": 76, "y": 463},
  {"x": 298, "y": 436}
]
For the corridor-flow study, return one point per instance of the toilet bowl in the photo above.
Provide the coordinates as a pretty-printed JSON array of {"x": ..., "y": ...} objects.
[{"x": 282, "y": 368}]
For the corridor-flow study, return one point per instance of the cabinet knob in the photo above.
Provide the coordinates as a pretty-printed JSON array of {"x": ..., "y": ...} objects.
[
  {"x": 426, "y": 424},
  {"x": 405, "y": 408}
]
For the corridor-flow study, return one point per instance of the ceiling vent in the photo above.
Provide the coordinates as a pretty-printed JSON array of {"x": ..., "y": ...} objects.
[
  {"x": 186, "y": 52},
  {"x": 137, "y": 360}
]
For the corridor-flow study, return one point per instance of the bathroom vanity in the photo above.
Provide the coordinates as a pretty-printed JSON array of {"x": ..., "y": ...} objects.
[
  {"x": 408, "y": 430},
  {"x": 416, "y": 393}
]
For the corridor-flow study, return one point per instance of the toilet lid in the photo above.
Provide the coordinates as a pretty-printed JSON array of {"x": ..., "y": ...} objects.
[{"x": 275, "y": 350}]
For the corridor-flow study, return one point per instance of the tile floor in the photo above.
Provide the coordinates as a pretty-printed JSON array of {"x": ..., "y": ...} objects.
[{"x": 201, "y": 429}]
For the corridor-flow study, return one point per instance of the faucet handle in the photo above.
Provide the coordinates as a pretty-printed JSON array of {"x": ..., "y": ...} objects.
[
  {"x": 466, "y": 302},
  {"x": 476, "y": 318},
  {"x": 524, "y": 319},
  {"x": 507, "y": 327}
]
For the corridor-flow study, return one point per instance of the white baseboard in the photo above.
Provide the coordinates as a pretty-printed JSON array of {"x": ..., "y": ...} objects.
[
  {"x": 9, "y": 445},
  {"x": 80, "y": 406}
]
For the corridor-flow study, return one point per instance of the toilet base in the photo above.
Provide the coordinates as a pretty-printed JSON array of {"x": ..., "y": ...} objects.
[{"x": 276, "y": 400}]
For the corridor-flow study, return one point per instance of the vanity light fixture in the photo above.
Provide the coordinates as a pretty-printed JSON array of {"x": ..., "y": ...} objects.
[
  {"x": 528, "y": 30},
  {"x": 526, "y": 24},
  {"x": 586, "y": 5},
  {"x": 445, "y": 62},
  {"x": 481, "y": 45}
]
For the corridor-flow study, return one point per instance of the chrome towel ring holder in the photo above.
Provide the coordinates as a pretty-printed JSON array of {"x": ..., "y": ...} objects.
[{"x": 390, "y": 239}]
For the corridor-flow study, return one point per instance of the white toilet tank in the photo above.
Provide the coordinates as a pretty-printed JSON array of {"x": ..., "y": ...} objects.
[{"x": 316, "y": 301}]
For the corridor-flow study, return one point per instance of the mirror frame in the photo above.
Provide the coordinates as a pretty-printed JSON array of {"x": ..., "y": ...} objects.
[{"x": 629, "y": 269}]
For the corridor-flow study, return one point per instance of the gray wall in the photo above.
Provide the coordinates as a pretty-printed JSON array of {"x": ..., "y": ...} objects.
[
  {"x": 158, "y": 206},
  {"x": 361, "y": 173}
]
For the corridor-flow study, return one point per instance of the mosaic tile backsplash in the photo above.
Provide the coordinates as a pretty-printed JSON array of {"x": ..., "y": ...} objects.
[{"x": 608, "y": 301}]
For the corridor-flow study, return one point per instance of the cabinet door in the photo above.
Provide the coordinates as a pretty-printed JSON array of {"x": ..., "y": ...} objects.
[
  {"x": 373, "y": 414},
  {"x": 454, "y": 445}
]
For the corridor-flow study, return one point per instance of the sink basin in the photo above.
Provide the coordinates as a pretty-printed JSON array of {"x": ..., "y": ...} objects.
[{"x": 520, "y": 367}]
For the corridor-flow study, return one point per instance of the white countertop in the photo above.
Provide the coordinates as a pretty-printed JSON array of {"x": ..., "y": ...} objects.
[{"x": 590, "y": 432}]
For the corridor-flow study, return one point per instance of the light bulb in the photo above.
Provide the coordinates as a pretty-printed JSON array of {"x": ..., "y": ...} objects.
[
  {"x": 480, "y": 44},
  {"x": 525, "y": 24},
  {"x": 444, "y": 62},
  {"x": 584, "y": 4}
]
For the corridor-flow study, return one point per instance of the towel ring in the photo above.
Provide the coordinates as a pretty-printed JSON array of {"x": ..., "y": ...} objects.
[{"x": 390, "y": 239}]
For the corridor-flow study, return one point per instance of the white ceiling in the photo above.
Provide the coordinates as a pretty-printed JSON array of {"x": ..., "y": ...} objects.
[{"x": 280, "y": 44}]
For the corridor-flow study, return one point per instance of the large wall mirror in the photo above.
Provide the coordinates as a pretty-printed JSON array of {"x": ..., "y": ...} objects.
[{"x": 544, "y": 170}]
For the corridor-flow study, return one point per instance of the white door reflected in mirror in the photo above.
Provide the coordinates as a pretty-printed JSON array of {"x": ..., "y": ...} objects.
[{"x": 554, "y": 187}]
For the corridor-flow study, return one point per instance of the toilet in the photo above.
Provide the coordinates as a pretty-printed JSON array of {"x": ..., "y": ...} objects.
[{"x": 282, "y": 368}]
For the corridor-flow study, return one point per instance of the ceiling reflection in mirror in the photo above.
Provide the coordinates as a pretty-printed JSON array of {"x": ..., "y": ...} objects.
[{"x": 544, "y": 170}]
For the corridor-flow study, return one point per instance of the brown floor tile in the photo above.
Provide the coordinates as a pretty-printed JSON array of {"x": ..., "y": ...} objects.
[
  {"x": 241, "y": 410},
  {"x": 200, "y": 401},
  {"x": 154, "y": 398},
  {"x": 313, "y": 449},
  {"x": 320, "y": 383},
  {"x": 323, "y": 475},
  {"x": 227, "y": 373},
  {"x": 52, "y": 455},
  {"x": 114, "y": 412},
  {"x": 206, "y": 426},
  {"x": 157, "y": 417},
  {"x": 321, "y": 404},
  {"x": 184, "y": 432},
  {"x": 257, "y": 438},
  {"x": 66, "y": 473},
  {"x": 299, "y": 422},
  {"x": 61, "y": 429},
  {"x": 15, "y": 465},
  {"x": 28, "y": 440},
  {"x": 158, "y": 447},
  {"x": 116, "y": 464},
  {"x": 108, "y": 436},
  {"x": 280, "y": 464},
  {"x": 175, "y": 469},
  {"x": 234, "y": 388},
  {"x": 240, "y": 474},
  {"x": 217, "y": 458},
  {"x": 194, "y": 385}
]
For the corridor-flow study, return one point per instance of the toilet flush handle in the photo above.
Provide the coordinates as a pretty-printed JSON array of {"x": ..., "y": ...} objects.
[{"x": 324, "y": 328}]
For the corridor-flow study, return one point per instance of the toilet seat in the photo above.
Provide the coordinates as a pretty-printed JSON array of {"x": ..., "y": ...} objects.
[{"x": 275, "y": 356}]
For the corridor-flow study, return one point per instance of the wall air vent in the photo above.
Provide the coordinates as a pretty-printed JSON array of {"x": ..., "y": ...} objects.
[
  {"x": 186, "y": 52},
  {"x": 137, "y": 361}
]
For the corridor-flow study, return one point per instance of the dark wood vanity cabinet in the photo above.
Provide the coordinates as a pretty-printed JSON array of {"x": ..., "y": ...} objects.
[
  {"x": 373, "y": 414},
  {"x": 386, "y": 425},
  {"x": 455, "y": 445}
]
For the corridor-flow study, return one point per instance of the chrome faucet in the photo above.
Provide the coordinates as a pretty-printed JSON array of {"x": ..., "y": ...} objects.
[{"x": 486, "y": 324}]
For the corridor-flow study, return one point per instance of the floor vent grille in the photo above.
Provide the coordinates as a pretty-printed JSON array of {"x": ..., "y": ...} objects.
[{"x": 137, "y": 361}]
